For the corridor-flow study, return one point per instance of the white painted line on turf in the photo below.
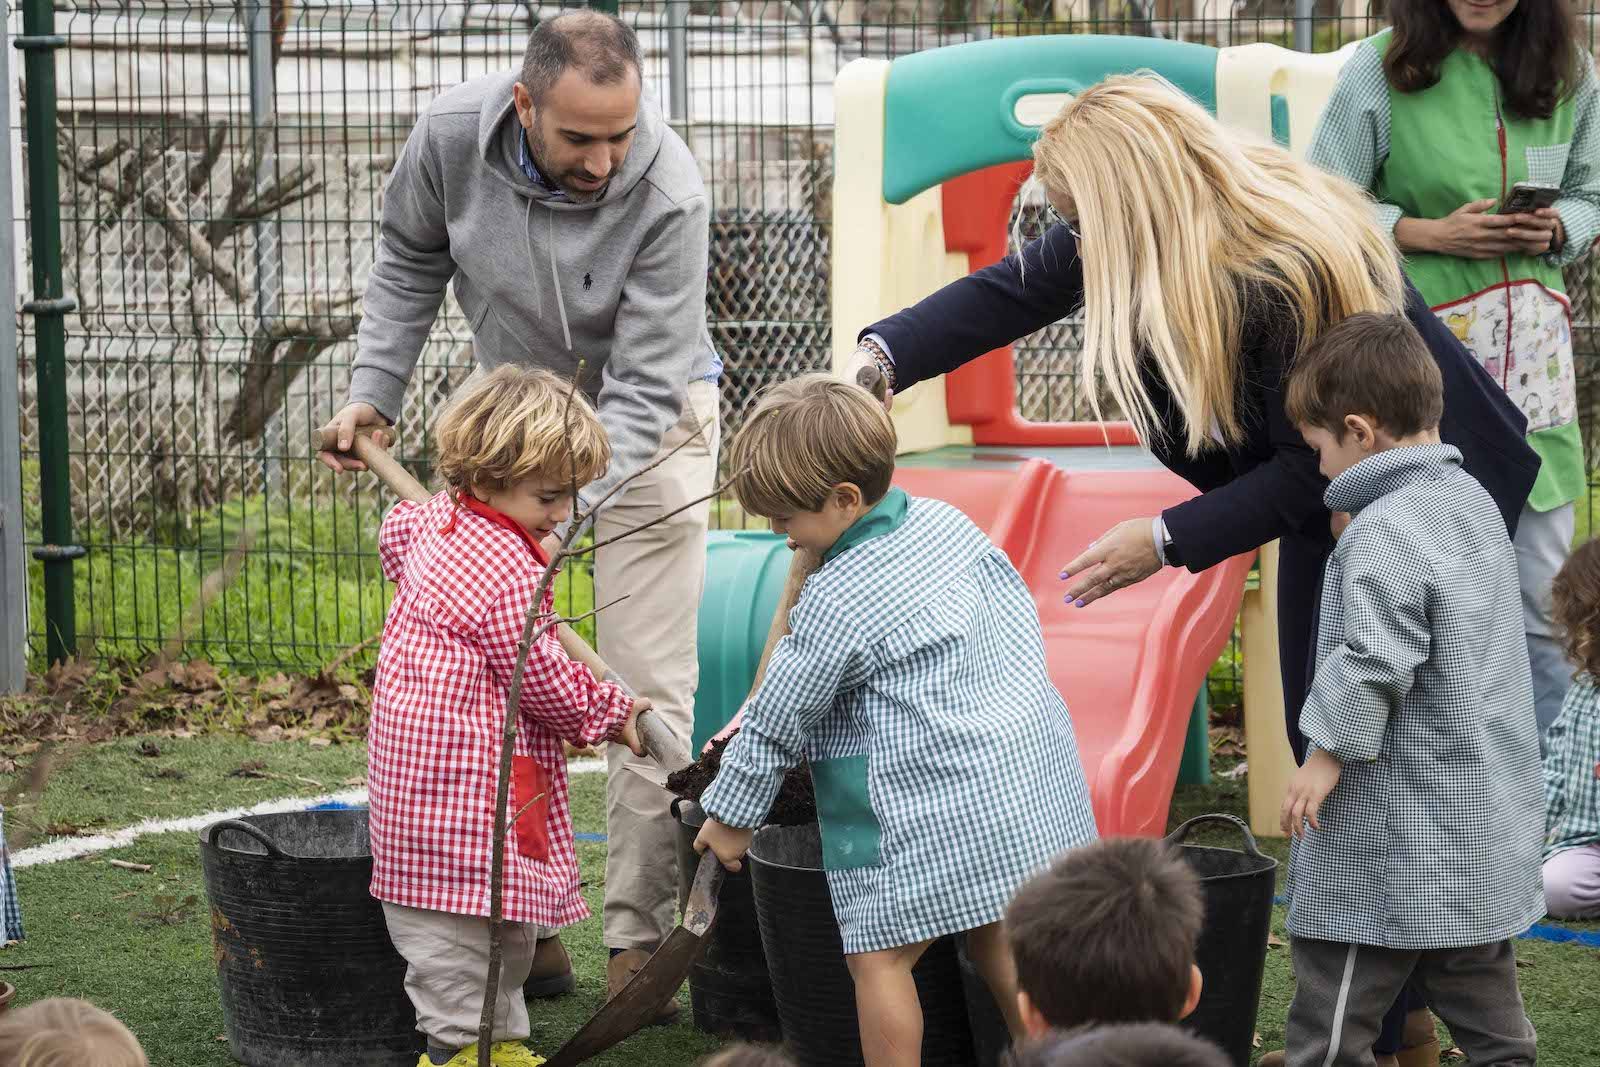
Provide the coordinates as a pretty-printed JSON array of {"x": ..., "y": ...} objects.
[{"x": 71, "y": 848}]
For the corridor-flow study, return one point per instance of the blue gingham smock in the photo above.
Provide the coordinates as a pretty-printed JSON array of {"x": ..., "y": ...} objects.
[
  {"x": 913, "y": 679},
  {"x": 1432, "y": 837},
  {"x": 1572, "y": 770}
]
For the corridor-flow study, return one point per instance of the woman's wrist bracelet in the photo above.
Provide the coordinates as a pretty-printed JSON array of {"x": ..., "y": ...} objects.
[{"x": 880, "y": 358}]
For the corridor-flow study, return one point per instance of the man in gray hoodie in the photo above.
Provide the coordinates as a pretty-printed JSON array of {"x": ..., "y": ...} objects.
[{"x": 574, "y": 225}]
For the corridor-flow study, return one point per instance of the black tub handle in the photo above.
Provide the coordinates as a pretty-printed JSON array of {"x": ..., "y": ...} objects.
[
  {"x": 1178, "y": 836},
  {"x": 248, "y": 830}
]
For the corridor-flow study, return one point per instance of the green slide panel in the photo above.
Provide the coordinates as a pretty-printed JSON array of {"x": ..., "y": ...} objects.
[
  {"x": 745, "y": 572},
  {"x": 951, "y": 111}
]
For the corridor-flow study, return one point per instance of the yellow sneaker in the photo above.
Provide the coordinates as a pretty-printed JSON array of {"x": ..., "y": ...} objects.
[
  {"x": 467, "y": 1057},
  {"x": 513, "y": 1054}
]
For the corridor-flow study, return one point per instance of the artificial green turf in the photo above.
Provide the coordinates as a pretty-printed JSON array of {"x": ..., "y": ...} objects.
[{"x": 124, "y": 940}]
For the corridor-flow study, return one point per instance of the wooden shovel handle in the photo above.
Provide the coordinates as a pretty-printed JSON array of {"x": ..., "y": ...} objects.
[
  {"x": 801, "y": 566},
  {"x": 403, "y": 485},
  {"x": 378, "y": 461}
]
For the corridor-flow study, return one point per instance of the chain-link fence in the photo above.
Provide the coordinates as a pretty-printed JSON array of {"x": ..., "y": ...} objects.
[{"x": 221, "y": 171}]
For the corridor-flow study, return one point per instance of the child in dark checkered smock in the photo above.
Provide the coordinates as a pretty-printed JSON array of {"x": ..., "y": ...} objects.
[
  {"x": 466, "y": 566},
  {"x": 913, "y": 680},
  {"x": 1421, "y": 783}
]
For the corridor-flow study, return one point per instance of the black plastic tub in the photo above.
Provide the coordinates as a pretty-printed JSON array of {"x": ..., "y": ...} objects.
[
  {"x": 810, "y": 981},
  {"x": 1232, "y": 953},
  {"x": 308, "y": 975},
  {"x": 729, "y": 990}
]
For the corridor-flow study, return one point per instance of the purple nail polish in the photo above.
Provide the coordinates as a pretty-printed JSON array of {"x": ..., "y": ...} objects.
[
  {"x": 1065, "y": 576},
  {"x": 1080, "y": 604}
]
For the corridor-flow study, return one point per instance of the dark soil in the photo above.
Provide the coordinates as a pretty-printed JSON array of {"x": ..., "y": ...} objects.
[{"x": 796, "y": 804}]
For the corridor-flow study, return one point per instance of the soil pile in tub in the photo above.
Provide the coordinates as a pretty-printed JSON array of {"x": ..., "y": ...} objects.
[{"x": 796, "y": 804}]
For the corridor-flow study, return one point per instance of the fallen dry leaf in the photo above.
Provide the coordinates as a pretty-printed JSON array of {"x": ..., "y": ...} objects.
[
  {"x": 1272, "y": 941},
  {"x": 250, "y": 769},
  {"x": 148, "y": 748},
  {"x": 1453, "y": 1053}
]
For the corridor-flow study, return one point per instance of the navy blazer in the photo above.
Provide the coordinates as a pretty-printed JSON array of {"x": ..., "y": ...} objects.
[{"x": 1266, "y": 488}]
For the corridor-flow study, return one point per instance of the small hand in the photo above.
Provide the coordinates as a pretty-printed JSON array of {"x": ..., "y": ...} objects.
[
  {"x": 1337, "y": 523},
  {"x": 860, "y": 358},
  {"x": 627, "y": 734},
  {"x": 1308, "y": 788},
  {"x": 1124, "y": 555},
  {"x": 352, "y": 419},
  {"x": 727, "y": 843}
]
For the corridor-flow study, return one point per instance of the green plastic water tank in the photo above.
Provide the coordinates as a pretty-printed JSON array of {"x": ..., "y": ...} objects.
[{"x": 745, "y": 572}]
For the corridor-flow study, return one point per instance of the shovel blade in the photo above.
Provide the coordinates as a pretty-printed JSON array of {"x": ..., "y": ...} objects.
[{"x": 633, "y": 1008}]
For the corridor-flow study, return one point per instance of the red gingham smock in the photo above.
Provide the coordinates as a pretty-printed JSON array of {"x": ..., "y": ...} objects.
[{"x": 466, "y": 577}]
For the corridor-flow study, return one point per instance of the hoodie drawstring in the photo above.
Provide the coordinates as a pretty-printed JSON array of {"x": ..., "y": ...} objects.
[
  {"x": 555, "y": 281},
  {"x": 555, "y": 278}
]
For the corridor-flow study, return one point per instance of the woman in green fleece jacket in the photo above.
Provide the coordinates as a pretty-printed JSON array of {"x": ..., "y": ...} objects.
[{"x": 1440, "y": 117}]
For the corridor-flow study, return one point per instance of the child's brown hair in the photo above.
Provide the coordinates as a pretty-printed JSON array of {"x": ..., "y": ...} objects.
[
  {"x": 806, "y": 436},
  {"x": 1127, "y": 1045},
  {"x": 515, "y": 423},
  {"x": 746, "y": 1055},
  {"x": 1575, "y": 600},
  {"x": 1368, "y": 364},
  {"x": 66, "y": 1033},
  {"x": 1108, "y": 934}
]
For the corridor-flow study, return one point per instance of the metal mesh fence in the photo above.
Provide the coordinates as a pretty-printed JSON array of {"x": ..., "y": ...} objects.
[{"x": 221, "y": 173}]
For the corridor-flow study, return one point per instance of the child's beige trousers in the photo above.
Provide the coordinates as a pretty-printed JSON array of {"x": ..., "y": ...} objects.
[{"x": 447, "y": 959}]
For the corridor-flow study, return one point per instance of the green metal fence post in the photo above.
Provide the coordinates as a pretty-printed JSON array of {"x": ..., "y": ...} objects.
[{"x": 49, "y": 306}]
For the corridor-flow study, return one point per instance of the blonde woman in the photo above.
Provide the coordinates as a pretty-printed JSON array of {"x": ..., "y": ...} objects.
[{"x": 1207, "y": 260}]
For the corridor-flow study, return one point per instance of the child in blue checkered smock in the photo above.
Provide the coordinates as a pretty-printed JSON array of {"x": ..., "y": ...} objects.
[
  {"x": 1421, "y": 783},
  {"x": 913, "y": 680},
  {"x": 1572, "y": 756}
]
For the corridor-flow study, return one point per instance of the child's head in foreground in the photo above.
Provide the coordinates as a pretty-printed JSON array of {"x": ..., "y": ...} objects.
[
  {"x": 746, "y": 1055},
  {"x": 1127, "y": 1045},
  {"x": 1365, "y": 385},
  {"x": 517, "y": 439},
  {"x": 815, "y": 455},
  {"x": 1575, "y": 602},
  {"x": 1107, "y": 935},
  {"x": 66, "y": 1033}
]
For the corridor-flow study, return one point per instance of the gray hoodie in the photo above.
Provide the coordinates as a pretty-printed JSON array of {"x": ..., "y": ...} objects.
[{"x": 619, "y": 282}]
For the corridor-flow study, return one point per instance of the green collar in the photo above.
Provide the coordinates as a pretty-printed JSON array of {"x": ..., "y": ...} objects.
[{"x": 886, "y": 515}]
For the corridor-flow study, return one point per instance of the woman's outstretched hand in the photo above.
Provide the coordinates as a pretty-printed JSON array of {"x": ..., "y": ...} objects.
[{"x": 1124, "y": 555}]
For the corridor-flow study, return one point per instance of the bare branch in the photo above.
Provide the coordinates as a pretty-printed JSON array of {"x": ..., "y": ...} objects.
[
  {"x": 72, "y": 156},
  {"x": 244, "y": 182},
  {"x": 572, "y": 620},
  {"x": 195, "y": 243},
  {"x": 518, "y": 816},
  {"x": 106, "y": 155},
  {"x": 155, "y": 143},
  {"x": 718, "y": 491},
  {"x": 200, "y": 173},
  {"x": 582, "y": 519}
]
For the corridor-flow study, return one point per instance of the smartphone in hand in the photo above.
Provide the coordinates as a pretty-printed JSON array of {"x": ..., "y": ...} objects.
[{"x": 1528, "y": 197}]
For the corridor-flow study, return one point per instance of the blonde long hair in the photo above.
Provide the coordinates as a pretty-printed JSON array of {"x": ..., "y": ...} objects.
[{"x": 1180, "y": 218}]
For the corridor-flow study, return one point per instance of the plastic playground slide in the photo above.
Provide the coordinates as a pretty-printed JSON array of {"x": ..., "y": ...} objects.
[{"x": 1129, "y": 665}]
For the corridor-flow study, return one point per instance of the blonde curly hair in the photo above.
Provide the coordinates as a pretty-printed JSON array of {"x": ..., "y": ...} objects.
[{"x": 516, "y": 423}]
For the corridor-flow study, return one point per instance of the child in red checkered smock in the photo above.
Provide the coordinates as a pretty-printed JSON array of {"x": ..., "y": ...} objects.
[{"x": 465, "y": 565}]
